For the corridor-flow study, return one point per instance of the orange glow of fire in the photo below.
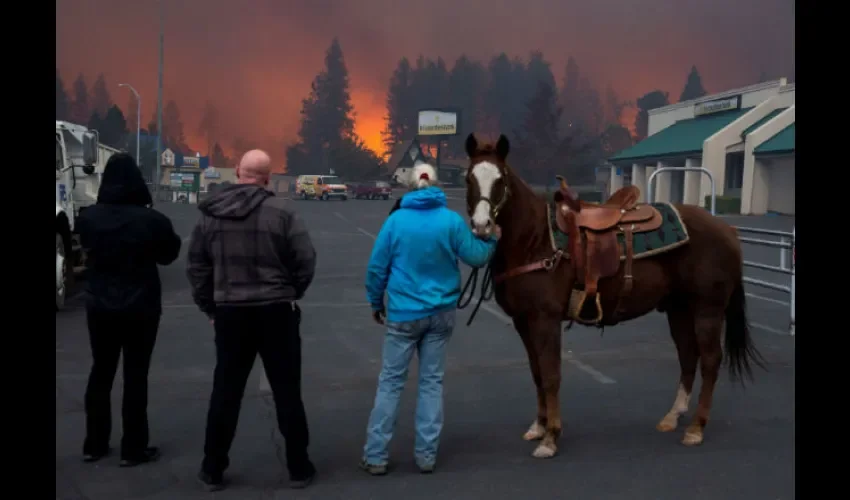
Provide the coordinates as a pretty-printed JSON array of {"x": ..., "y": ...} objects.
[{"x": 370, "y": 120}]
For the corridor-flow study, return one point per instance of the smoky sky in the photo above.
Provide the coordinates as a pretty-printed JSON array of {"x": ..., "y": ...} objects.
[{"x": 256, "y": 58}]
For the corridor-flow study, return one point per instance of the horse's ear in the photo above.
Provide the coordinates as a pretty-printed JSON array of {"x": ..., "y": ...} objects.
[
  {"x": 503, "y": 147},
  {"x": 471, "y": 145}
]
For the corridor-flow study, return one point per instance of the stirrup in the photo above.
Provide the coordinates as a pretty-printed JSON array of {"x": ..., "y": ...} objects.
[{"x": 578, "y": 298}]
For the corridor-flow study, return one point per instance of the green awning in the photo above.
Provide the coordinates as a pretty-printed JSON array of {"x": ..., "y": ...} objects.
[
  {"x": 761, "y": 122},
  {"x": 682, "y": 138},
  {"x": 779, "y": 144}
]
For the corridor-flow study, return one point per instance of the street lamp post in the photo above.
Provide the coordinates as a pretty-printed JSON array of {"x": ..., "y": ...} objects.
[
  {"x": 159, "y": 99},
  {"x": 138, "y": 118}
]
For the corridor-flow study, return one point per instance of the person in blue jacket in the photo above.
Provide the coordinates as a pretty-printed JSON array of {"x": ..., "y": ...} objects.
[{"x": 415, "y": 261}]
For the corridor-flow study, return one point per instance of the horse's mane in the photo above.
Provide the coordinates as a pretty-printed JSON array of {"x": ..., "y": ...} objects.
[{"x": 527, "y": 215}]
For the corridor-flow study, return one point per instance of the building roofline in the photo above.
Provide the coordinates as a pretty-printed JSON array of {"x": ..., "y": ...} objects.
[{"x": 782, "y": 82}]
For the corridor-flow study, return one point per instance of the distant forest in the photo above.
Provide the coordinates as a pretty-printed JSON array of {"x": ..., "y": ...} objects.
[{"x": 568, "y": 128}]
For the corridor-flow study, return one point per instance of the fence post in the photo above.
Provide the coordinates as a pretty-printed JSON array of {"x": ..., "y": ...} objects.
[
  {"x": 793, "y": 325},
  {"x": 783, "y": 254}
]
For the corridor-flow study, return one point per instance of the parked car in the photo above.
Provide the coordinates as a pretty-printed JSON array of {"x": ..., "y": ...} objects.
[{"x": 371, "y": 190}]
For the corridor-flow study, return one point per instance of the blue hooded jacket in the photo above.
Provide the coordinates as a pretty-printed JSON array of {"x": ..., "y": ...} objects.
[{"x": 415, "y": 258}]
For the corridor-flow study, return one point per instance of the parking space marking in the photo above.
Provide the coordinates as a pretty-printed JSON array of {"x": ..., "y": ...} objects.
[
  {"x": 359, "y": 229},
  {"x": 770, "y": 329},
  {"x": 768, "y": 299}
]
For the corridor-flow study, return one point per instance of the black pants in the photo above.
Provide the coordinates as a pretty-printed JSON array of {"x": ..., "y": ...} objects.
[
  {"x": 110, "y": 334},
  {"x": 241, "y": 333}
]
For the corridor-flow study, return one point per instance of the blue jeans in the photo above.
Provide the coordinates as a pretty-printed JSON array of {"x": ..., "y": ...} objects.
[{"x": 429, "y": 337}]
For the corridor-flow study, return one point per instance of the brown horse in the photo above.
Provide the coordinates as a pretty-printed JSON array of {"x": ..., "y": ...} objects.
[{"x": 698, "y": 284}]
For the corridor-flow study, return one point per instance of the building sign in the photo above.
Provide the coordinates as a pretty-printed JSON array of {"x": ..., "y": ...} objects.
[
  {"x": 435, "y": 122},
  {"x": 191, "y": 161},
  {"x": 183, "y": 181},
  {"x": 718, "y": 106},
  {"x": 212, "y": 173}
]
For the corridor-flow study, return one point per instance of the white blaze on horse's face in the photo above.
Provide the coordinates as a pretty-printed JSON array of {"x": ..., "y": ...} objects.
[{"x": 486, "y": 174}]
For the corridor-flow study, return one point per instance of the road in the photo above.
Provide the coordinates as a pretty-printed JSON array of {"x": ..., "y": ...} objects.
[{"x": 616, "y": 387}]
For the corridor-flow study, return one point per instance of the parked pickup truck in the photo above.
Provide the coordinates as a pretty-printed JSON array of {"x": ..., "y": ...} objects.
[{"x": 371, "y": 190}]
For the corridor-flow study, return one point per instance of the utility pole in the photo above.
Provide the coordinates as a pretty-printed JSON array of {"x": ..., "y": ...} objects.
[{"x": 158, "y": 179}]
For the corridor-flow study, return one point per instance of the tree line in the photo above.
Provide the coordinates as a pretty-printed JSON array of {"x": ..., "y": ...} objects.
[
  {"x": 568, "y": 128},
  {"x": 94, "y": 107}
]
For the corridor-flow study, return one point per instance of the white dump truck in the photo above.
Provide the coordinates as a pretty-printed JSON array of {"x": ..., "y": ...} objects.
[{"x": 80, "y": 160}]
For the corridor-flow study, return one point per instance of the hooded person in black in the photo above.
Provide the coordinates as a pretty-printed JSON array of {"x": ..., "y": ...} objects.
[{"x": 124, "y": 240}]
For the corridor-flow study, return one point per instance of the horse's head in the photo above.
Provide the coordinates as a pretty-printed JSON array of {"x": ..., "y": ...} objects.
[{"x": 486, "y": 182}]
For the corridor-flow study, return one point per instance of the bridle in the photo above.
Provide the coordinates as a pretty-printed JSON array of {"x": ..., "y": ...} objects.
[{"x": 495, "y": 208}]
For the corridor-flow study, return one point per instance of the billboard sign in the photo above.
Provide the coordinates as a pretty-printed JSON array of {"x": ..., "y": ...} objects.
[{"x": 438, "y": 122}]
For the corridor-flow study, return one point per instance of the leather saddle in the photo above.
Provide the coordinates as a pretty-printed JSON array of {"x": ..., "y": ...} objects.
[{"x": 595, "y": 253}]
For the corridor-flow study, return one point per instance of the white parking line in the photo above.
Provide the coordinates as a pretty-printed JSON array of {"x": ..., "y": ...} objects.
[
  {"x": 768, "y": 299},
  {"x": 770, "y": 329},
  {"x": 360, "y": 229},
  {"x": 367, "y": 233}
]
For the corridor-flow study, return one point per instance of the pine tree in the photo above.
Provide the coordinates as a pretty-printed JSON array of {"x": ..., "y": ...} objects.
[
  {"x": 539, "y": 138},
  {"x": 466, "y": 80},
  {"x": 172, "y": 127},
  {"x": 645, "y": 104},
  {"x": 327, "y": 116},
  {"x": 101, "y": 100},
  {"x": 62, "y": 104},
  {"x": 80, "y": 111},
  {"x": 693, "y": 86},
  {"x": 401, "y": 112},
  {"x": 208, "y": 127}
]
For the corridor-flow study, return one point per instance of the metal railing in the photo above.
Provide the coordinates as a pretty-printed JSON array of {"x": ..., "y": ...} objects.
[
  {"x": 650, "y": 194},
  {"x": 787, "y": 263},
  {"x": 786, "y": 244}
]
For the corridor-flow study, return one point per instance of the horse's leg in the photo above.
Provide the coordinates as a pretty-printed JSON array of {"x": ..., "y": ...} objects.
[
  {"x": 537, "y": 428},
  {"x": 545, "y": 334},
  {"x": 709, "y": 328},
  {"x": 681, "y": 322}
]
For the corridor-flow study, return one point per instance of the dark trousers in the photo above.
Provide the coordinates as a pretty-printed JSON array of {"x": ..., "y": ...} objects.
[
  {"x": 240, "y": 334},
  {"x": 110, "y": 334}
]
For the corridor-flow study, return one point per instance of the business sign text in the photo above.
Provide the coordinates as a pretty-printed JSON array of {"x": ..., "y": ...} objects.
[
  {"x": 718, "y": 106},
  {"x": 433, "y": 122}
]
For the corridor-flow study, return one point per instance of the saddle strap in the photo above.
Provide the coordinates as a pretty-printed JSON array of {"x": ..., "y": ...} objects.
[
  {"x": 626, "y": 288},
  {"x": 547, "y": 264}
]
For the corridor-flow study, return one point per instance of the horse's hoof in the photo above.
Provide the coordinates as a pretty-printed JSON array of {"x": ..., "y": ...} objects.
[
  {"x": 667, "y": 424},
  {"x": 545, "y": 451},
  {"x": 535, "y": 432},
  {"x": 692, "y": 438}
]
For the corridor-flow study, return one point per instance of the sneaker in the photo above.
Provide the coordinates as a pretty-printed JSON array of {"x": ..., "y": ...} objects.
[
  {"x": 150, "y": 454},
  {"x": 373, "y": 469},
  {"x": 301, "y": 475},
  {"x": 301, "y": 483},
  {"x": 426, "y": 468},
  {"x": 94, "y": 457},
  {"x": 212, "y": 482}
]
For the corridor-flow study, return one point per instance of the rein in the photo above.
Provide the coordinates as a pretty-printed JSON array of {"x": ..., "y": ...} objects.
[{"x": 486, "y": 290}]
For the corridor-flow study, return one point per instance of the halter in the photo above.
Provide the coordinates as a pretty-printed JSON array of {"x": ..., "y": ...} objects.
[{"x": 497, "y": 207}]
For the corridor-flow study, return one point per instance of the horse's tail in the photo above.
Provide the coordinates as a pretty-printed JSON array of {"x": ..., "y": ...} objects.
[{"x": 740, "y": 351}]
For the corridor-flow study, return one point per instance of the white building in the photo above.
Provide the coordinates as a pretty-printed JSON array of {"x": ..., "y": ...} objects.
[{"x": 744, "y": 137}]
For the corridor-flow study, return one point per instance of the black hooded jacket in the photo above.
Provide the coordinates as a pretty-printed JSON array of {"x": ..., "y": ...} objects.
[{"x": 124, "y": 240}]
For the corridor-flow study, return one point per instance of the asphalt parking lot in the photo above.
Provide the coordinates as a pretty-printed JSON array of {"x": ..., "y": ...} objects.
[{"x": 616, "y": 387}]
